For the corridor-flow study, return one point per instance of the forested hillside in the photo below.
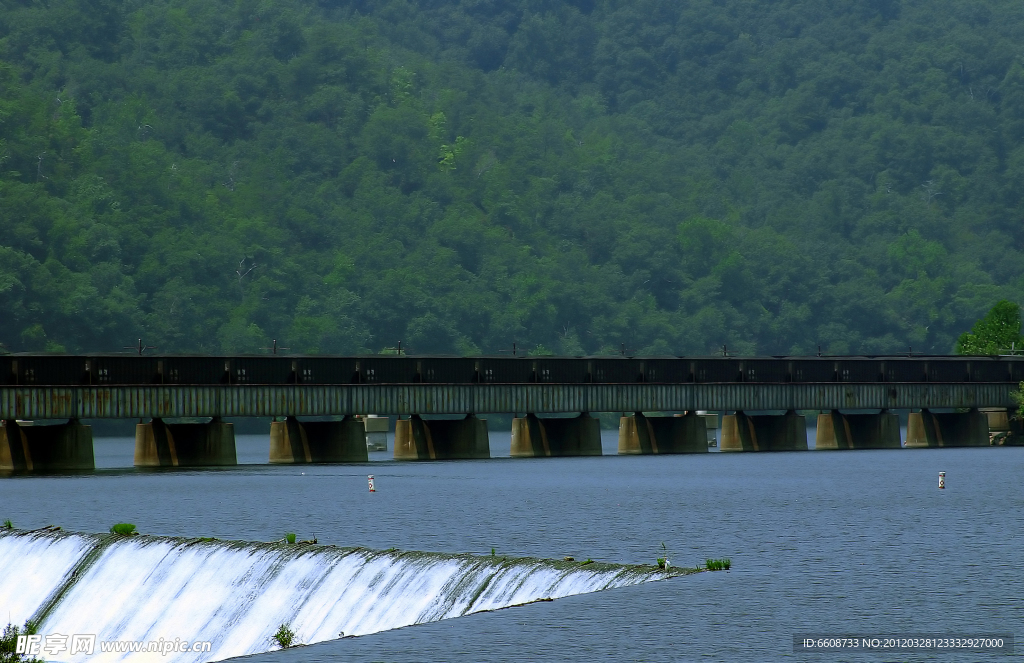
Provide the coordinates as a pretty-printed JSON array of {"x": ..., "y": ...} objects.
[{"x": 573, "y": 176}]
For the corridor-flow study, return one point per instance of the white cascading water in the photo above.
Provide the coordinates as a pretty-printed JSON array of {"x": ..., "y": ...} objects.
[
  {"x": 237, "y": 594},
  {"x": 32, "y": 566}
]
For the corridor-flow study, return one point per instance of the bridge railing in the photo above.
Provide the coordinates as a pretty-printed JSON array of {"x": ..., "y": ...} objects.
[{"x": 111, "y": 370}]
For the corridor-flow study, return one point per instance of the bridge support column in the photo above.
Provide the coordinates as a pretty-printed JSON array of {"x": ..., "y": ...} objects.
[
  {"x": 441, "y": 439},
  {"x": 786, "y": 432},
  {"x": 56, "y": 448},
  {"x": 1003, "y": 429},
  {"x": 917, "y": 436},
  {"x": 857, "y": 431},
  {"x": 534, "y": 437},
  {"x": 294, "y": 441},
  {"x": 663, "y": 435},
  {"x": 998, "y": 419},
  {"x": 159, "y": 444},
  {"x": 947, "y": 429}
]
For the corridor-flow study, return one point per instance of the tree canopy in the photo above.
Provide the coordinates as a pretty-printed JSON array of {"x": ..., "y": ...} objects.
[
  {"x": 574, "y": 176},
  {"x": 997, "y": 333}
]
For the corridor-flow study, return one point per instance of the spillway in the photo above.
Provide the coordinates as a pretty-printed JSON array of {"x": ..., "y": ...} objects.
[{"x": 236, "y": 594}]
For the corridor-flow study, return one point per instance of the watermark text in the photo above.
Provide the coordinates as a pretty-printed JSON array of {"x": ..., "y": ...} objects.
[{"x": 55, "y": 644}]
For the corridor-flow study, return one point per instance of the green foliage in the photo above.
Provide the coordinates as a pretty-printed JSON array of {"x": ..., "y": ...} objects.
[
  {"x": 1018, "y": 399},
  {"x": 9, "y": 643},
  {"x": 289, "y": 537},
  {"x": 577, "y": 178},
  {"x": 997, "y": 333},
  {"x": 8, "y": 524},
  {"x": 123, "y": 529},
  {"x": 663, "y": 562},
  {"x": 284, "y": 637},
  {"x": 717, "y": 564}
]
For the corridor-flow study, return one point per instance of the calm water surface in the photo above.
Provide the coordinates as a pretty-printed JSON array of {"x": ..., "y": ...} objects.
[{"x": 819, "y": 541}]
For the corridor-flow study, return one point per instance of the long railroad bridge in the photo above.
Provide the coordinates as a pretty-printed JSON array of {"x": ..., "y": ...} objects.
[{"x": 953, "y": 401}]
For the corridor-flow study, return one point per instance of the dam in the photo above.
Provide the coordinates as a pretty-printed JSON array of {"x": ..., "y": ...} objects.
[{"x": 234, "y": 595}]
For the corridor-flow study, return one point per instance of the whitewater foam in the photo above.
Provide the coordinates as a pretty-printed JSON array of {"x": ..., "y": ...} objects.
[
  {"x": 236, "y": 594},
  {"x": 34, "y": 564}
]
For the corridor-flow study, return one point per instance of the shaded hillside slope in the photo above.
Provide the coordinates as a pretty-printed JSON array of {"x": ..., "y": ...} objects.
[{"x": 465, "y": 174}]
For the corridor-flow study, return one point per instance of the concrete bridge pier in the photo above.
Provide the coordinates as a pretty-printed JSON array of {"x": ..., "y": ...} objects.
[
  {"x": 441, "y": 439},
  {"x": 766, "y": 432},
  {"x": 1003, "y": 428},
  {"x": 294, "y": 441},
  {"x": 639, "y": 434},
  {"x": 56, "y": 448},
  {"x": 857, "y": 431},
  {"x": 998, "y": 420},
  {"x": 159, "y": 444},
  {"x": 534, "y": 437},
  {"x": 947, "y": 429}
]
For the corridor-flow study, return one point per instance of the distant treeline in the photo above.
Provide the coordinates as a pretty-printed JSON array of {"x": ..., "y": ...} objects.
[{"x": 573, "y": 176}]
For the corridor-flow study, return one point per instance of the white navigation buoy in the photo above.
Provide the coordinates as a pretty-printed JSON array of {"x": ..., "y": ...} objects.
[
  {"x": 942, "y": 479},
  {"x": 369, "y": 478}
]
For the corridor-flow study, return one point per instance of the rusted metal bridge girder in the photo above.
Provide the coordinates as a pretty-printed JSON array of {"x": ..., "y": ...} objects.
[{"x": 167, "y": 401}]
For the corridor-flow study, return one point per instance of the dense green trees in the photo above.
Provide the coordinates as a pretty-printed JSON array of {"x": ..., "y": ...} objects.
[
  {"x": 573, "y": 175},
  {"x": 997, "y": 333}
]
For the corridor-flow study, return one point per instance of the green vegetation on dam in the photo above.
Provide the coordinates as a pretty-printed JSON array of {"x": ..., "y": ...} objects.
[{"x": 575, "y": 176}]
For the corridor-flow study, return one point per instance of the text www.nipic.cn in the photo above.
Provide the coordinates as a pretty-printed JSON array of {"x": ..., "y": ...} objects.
[{"x": 85, "y": 643}]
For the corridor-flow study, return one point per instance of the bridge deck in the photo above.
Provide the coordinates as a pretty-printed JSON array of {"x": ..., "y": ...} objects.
[{"x": 167, "y": 401}]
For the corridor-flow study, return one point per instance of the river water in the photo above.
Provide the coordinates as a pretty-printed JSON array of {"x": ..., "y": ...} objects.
[{"x": 820, "y": 542}]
